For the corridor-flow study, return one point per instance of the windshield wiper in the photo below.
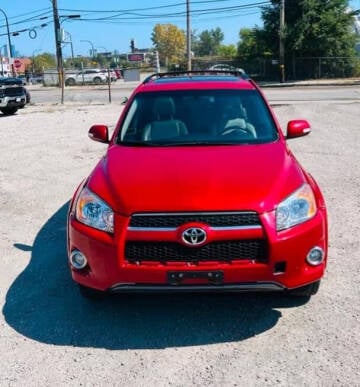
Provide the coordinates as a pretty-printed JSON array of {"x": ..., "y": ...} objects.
[
  {"x": 136, "y": 143},
  {"x": 195, "y": 143}
]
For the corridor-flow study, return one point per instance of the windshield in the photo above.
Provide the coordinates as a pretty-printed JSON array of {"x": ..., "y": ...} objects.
[{"x": 192, "y": 117}]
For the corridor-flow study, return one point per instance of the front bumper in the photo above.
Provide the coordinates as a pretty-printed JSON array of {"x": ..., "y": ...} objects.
[
  {"x": 285, "y": 266},
  {"x": 18, "y": 101}
]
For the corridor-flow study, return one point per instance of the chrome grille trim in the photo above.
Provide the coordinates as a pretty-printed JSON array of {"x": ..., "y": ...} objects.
[
  {"x": 231, "y": 287},
  {"x": 193, "y": 213},
  {"x": 150, "y": 229},
  {"x": 171, "y": 229},
  {"x": 171, "y": 220}
]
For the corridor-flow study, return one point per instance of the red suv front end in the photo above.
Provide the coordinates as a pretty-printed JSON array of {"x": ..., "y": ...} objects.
[{"x": 198, "y": 191}]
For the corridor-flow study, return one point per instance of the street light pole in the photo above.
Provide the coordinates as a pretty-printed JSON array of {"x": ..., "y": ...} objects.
[
  {"x": 72, "y": 49},
  {"x": 92, "y": 47},
  {"x": 9, "y": 41},
  {"x": 1, "y": 59}
]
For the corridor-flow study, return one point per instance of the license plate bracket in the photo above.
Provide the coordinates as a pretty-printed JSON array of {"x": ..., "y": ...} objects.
[{"x": 214, "y": 277}]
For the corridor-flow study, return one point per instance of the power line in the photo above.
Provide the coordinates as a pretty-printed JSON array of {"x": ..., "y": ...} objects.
[
  {"x": 30, "y": 13},
  {"x": 43, "y": 13},
  {"x": 135, "y": 13},
  {"x": 257, "y": 4}
]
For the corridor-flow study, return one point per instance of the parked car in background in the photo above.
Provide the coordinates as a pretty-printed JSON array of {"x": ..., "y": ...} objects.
[
  {"x": 23, "y": 79},
  {"x": 94, "y": 76},
  {"x": 36, "y": 79},
  {"x": 198, "y": 191},
  {"x": 17, "y": 81},
  {"x": 225, "y": 67},
  {"x": 112, "y": 73},
  {"x": 118, "y": 74}
]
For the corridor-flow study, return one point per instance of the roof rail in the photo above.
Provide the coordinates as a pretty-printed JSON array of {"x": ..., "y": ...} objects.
[{"x": 190, "y": 73}]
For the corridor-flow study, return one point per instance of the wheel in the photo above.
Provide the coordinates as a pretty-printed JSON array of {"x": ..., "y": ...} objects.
[
  {"x": 70, "y": 82},
  {"x": 90, "y": 293},
  {"x": 305, "y": 291},
  {"x": 97, "y": 80},
  {"x": 9, "y": 111}
]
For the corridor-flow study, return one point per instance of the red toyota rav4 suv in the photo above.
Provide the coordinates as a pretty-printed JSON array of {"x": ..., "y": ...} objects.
[{"x": 198, "y": 191}]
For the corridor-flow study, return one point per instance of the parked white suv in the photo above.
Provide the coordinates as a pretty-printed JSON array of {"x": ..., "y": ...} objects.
[{"x": 95, "y": 76}]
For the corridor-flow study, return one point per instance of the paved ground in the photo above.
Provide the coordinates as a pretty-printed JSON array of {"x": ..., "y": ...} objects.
[{"x": 50, "y": 336}]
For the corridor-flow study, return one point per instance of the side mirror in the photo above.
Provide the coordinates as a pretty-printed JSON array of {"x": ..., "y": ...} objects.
[
  {"x": 99, "y": 133},
  {"x": 124, "y": 100},
  {"x": 297, "y": 128}
]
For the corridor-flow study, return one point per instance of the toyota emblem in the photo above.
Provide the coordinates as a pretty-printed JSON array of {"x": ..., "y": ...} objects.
[{"x": 194, "y": 236}]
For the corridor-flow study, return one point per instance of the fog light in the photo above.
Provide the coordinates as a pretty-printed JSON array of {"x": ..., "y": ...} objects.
[
  {"x": 78, "y": 260},
  {"x": 315, "y": 256}
]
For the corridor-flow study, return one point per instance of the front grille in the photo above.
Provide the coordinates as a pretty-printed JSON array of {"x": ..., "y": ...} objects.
[
  {"x": 14, "y": 91},
  {"x": 227, "y": 251},
  {"x": 226, "y": 219}
]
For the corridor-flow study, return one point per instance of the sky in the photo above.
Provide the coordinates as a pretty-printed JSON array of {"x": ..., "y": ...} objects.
[{"x": 109, "y": 25}]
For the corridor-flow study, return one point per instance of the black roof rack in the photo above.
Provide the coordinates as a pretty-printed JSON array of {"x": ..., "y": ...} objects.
[{"x": 190, "y": 73}]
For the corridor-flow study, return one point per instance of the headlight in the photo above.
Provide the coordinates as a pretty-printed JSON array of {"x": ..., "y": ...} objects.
[
  {"x": 94, "y": 212},
  {"x": 297, "y": 208}
]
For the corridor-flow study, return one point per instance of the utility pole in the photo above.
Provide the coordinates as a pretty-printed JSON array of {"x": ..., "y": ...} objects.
[
  {"x": 188, "y": 35},
  {"x": 59, "y": 56},
  {"x": 282, "y": 38}
]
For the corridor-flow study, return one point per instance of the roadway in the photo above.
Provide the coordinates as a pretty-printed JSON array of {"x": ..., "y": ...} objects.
[{"x": 100, "y": 94}]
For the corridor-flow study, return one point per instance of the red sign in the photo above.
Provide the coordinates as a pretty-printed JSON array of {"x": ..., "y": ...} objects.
[
  {"x": 136, "y": 57},
  {"x": 17, "y": 63}
]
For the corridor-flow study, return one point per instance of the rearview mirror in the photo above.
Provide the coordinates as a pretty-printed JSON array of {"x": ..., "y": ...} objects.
[
  {"x": 99, "y": 133},
  {"x": 297, "y": 128}
]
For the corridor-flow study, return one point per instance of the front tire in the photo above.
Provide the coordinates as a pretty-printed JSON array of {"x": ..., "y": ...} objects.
[
  {"x": 97, "y": 80},
  {"x": 306, "y": 291},
  {"x": 9, "y": 111}
]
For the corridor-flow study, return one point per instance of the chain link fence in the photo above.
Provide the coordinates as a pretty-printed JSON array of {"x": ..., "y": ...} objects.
[
  {"x": 267, "y": 69},
  {"x": 260, "y": 69}
]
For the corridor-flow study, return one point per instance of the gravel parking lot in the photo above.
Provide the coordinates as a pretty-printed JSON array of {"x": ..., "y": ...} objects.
[{"x": 50, "y": 336}]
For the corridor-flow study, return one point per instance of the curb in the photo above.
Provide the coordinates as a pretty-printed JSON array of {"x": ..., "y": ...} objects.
[{"x": 339, "y": 82}]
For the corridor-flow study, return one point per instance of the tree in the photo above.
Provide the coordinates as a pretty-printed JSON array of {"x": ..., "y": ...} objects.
[
  {"x": 43, "y": 62},
  {"x": 79, "y": 63},
  {"x": 227, "y": 51},
  {"x": 313, "y": 28},
  {"x": 209, "y": 42},
  {"x": 170, "y": 42},
  {"x": 248, "y": 46}
]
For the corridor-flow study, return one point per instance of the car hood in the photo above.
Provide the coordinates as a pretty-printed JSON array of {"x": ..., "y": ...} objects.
[{"x": 196, "y": 178}]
